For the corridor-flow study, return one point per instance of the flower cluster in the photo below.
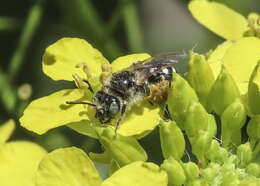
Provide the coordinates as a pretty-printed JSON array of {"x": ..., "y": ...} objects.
[{"x": 217, "y": 98}]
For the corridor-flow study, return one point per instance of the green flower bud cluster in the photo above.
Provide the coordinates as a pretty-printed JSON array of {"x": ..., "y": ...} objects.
[
  {"x": 227, "y": 162},
  {"x": 119, "y": 150},
  {"x": 189, "y": 113}
]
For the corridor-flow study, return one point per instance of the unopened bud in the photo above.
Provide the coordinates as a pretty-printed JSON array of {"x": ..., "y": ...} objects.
[
  {"x": 253, "y": 169},
  {"x": 200, "y": 76},
  {"x": 232, "y": 120},
  {"x": 223, "y": 92},
  {"x": 254, "y": 90},
  {"x": 244, "y": 155},
  {"x": 123, "y": 149},
  {"x": 176, "y": 175},
  {"x": 196, "y": 119},
  {"x": 191, "y": 171},
  {"x": 172, "y": 140},
  {"x": 179, "y": 98}
]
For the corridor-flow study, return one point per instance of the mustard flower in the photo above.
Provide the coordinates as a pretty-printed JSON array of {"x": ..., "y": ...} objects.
[
  {"x": 71, "y": 166},
  {"x": 74, "y": 59},
  {"x": 18, "y": 159},
  {"x": 239, "y": 53}
]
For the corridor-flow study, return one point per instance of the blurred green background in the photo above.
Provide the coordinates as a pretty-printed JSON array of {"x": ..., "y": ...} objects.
[{"x": 115, "y": 27}]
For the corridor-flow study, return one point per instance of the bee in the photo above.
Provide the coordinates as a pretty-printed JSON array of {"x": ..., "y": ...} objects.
[{"x": 149, "y": 79}]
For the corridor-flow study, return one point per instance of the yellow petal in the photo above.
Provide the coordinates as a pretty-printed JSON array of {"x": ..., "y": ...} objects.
[
  {"x": 125, "y": 61},
  {"x": 6, "y": 130},
  {"x": 219, "y": 18},
  {"x": 140, "y": 119},
  {"x": 67, "y": 167},
  {"x": 18, "y": 163},
  {"x": 52, "y": 111},
  {"x": 215, "y": 59},
  {"x": 138, "y": 174},
  {"x": 240, "y": 60},
  {"x": 60, "y": 59}
]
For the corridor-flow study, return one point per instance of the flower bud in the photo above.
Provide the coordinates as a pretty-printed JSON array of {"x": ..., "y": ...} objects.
[
  {"x": 253, "y": 169},
  {"x": 198, "y": 182},
  {"x": 223, "y": 92},
  {"x": 212, "y": 125},
  {"x": 216, "y": 153},
  {"x": 250, "y": 181},
  {"x": 191, "y": 171},
  {"x": 196, "y": 119},
  {"x": 172, "y": 140},
  {"x": 254, "y": 91},
  {"x": 232, "y": 120},
  {"x": 253, "y": 129},
  {"x": 230, "y": 178},
  {"x": 200, "y": 145},
  {"x": 244, "y": 155},
  {"x": 210, "y": 173},
  {"x": 120, "y": 148},
  {"x": 200, "y": 76},
  {"x": 176, "y": 175},
  {"x": 179, "y": 98}
]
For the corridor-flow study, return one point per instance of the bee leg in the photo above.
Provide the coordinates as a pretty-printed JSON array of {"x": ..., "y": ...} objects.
[
  {"x": 167, "y": 114},
  {"x": 122, "y": 114},
  {"x": 151, "y": 103},
  {"x": 90, "y": 87}
]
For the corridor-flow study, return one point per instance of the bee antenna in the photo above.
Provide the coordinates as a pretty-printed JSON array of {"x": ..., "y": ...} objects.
[{"x": 80, "y": 102}]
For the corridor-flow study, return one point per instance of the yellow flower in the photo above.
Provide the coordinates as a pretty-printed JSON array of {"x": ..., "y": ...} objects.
[
  {"x": 239, "y": 53},
  {"x": 18, "y": 159},
  {"x": 59, "y": 62},
  {"x": 71, "y": 166}
]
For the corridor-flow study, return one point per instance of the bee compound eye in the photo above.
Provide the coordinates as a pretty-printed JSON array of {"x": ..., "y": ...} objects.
[{"x": 113, "y": 108}]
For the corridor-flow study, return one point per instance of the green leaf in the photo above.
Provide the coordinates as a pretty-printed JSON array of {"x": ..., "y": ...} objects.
[
  {"x": 67, "y": 167},
  {"x": 138, "y": 174},
  {"x": 218, "y": 18}
]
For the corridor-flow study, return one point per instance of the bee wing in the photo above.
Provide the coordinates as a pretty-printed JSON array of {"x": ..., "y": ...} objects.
[{"x": 177, "y": 61}]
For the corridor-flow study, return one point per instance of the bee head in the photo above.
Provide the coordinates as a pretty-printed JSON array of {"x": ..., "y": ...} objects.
[{"x": 107, "y": 106}]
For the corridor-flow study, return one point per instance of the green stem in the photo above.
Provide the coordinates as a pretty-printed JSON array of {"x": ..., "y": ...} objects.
[
  {"x": 9, "y": 23},
  {"x": 133, "y": 27},
  {"x": 32, "y": 22},
  {"x": 82, "y": 15},
  {"x": 115, "y": 18},
  {"x": 8, "y": 94}
]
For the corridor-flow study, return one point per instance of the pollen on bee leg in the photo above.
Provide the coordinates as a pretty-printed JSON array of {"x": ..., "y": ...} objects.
[
  {"x": 106, "y": 73},
  {"x": 80, "y": 83},
  {"x": 159, "y": 91},
  {"x": 86, "y": 69}
]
